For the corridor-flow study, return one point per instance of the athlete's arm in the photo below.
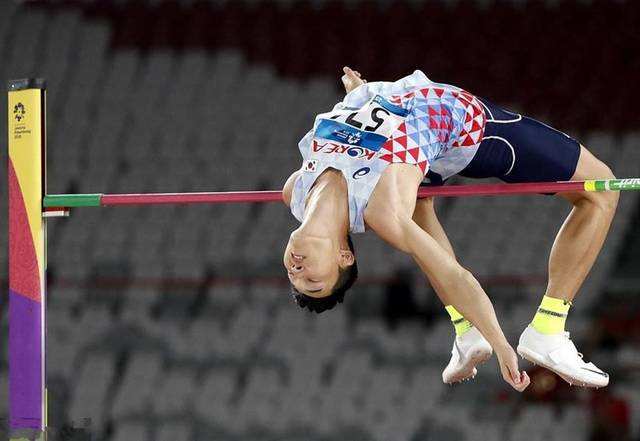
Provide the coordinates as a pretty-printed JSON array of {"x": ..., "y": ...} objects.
[
  {"x": 288, "y": 187},
  {"x": 426, "y": 218},
  {"x": 389, "y": 214},
  {"x": 456, "y": 284}
]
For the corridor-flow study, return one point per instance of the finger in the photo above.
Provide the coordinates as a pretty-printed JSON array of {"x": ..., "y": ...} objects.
[
  {"x": 524, "y": 383},
  {"x": 353, "y": 75},
  {"x": 508, "y": 374},
  {"x": 520, "y": 383},
  {"x": 514, "y": 372},
  {"x": 517, "y": 386}
]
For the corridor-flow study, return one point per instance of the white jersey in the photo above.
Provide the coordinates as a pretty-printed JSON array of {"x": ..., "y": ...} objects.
[{"x": 412, "y": 120}]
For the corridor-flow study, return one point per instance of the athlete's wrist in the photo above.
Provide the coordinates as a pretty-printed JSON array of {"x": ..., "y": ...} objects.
[
  {"x": 496, "y": 339},
  {"x": 502, "y": 347}
]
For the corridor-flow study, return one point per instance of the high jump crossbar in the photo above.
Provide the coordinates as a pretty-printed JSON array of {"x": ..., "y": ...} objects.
[
  {"x": 30, "y": 206},
  {"x": 64, "y": 201}
]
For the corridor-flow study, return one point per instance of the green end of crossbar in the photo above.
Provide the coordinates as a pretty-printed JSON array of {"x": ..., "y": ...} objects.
[
  {"x": 72, "y": 200},
  {"x": 612, "y": 184}
]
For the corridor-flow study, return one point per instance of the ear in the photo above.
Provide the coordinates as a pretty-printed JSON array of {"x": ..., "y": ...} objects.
[{"x": 346, "y": 258}]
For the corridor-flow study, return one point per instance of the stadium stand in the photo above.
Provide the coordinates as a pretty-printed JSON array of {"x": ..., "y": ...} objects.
[{"x": 181, "y": 344}]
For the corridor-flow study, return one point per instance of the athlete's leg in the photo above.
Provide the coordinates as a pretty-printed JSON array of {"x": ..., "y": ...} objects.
[
  {"x": 540, "y": 153},
  {"x": 470, "y": 348},
  {"x": 573, "y": 253},
  {"x": 583, "y": 233}
]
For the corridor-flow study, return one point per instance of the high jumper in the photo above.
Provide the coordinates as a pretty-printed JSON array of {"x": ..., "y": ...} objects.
[{"x": 363, "y": 165}]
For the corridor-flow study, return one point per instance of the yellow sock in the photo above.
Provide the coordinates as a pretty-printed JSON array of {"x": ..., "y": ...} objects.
[
  {"x": 461, "y": 324},
  {"x": 551, "y": 315}
]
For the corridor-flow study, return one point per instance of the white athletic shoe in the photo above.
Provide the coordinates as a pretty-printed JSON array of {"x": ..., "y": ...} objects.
[
  {"x": 557, "y": 353},
  {"x": 468, "y": 351}
]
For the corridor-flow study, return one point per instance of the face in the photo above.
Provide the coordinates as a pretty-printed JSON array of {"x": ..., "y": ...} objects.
[{"x": 312, "y": 264}]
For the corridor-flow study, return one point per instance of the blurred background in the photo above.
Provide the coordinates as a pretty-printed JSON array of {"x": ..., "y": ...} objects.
[{"x": 175, "y": 323}]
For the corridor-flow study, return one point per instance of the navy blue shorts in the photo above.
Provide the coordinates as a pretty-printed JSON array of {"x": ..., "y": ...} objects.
[{"x": 516, "y": 149}]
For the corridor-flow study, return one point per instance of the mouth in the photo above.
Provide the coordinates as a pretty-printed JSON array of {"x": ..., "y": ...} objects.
[{"x": 297, "y": 256}]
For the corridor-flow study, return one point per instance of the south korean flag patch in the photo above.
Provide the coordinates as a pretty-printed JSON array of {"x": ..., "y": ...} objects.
[{"x": 310, "y": 165}]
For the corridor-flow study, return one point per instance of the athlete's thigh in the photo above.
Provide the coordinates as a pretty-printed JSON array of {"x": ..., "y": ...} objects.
[
  {"x": 541, "y": 153},
  {"x": 590, "y": 167},
  {"x": 518, "y": 149}
]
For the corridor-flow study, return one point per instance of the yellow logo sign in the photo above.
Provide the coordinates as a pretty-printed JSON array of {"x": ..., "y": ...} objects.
[{"x": 19, "y": 111}]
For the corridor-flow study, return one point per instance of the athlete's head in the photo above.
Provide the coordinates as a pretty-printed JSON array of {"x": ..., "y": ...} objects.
[{"x": 320, "y": 270}]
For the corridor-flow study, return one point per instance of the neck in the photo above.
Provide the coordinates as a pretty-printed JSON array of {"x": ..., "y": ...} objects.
[{"x": 327, "y": 209}]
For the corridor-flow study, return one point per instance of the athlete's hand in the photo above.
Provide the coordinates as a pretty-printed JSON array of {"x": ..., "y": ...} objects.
[
  {"x": 508, "y": 361},
  {"x": 351, "y": 79}
]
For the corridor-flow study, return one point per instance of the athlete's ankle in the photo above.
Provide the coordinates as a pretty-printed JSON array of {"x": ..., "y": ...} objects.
[
  {"x": 551, "y": 315},
  {"x": 460, "y": 324}
]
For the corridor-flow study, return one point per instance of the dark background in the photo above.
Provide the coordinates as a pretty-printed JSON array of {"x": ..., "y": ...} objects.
[{"x": 173, "y": 323}]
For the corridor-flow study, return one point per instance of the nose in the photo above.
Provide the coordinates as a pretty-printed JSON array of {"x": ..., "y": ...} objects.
[{"x": 296, "y": 268}]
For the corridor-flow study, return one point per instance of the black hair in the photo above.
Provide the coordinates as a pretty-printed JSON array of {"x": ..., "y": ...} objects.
[{"x": 346, "y": 278}]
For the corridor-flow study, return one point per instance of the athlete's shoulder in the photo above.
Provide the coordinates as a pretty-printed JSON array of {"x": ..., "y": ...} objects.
[
  {"x": 287, "y": 190},
  {"x": 304, "y": 145}
]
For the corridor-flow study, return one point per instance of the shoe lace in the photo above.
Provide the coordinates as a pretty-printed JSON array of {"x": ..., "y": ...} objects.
[{"x": 567, "y": 334}]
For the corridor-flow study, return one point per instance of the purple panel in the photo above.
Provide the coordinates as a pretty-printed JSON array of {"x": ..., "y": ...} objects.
[{"x": 25, "y": 354}]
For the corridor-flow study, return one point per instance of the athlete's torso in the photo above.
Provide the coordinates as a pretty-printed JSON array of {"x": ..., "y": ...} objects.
[{"x": 411, "y": 121}]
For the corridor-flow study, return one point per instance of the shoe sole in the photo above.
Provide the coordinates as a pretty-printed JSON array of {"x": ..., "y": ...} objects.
[
  {"x": 538, "y": 360},
  {"x": 475, "y": 359}
]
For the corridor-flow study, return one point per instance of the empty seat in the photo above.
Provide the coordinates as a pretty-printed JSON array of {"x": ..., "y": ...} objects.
[
  {"x": 91, "y": 389},
  {"x": 127, "y": 431},
  {"x": 173, "y": 393},
  {"x": 135, "y": 391}
]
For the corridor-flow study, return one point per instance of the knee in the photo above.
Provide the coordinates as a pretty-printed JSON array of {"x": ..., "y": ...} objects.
[
  {"x": 606, "y": 172},
  {"x": 605, "y": 202},
  {"x": 608, "y": 200}
]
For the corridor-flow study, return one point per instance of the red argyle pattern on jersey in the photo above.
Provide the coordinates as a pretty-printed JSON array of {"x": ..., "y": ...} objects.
[
  {"x": 404, "y": 149},
  {"x": 474, "y": 121},
  {"x": 437, "y": 114}
]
